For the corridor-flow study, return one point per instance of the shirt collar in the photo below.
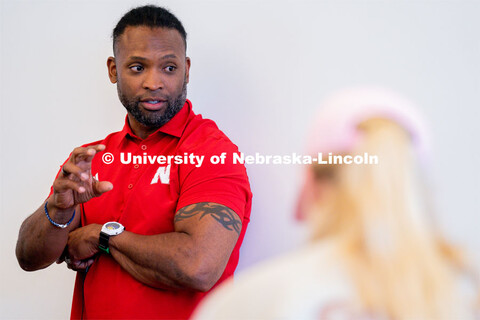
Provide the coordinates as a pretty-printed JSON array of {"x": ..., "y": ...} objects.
[{"x": 174, "y": 127}]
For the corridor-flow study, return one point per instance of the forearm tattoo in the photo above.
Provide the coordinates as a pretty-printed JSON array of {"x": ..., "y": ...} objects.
[{"x": 224, "y": 215}]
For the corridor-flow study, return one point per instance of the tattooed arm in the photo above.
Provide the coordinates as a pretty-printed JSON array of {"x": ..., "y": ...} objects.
[{"x": 192, "y": 257}]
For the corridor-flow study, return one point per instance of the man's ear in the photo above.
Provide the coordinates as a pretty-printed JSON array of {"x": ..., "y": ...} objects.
[
  {"x": 187, "y": 69},
  {"x": 112, "y": 69}
]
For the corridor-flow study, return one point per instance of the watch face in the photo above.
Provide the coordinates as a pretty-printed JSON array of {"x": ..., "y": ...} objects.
[{"x": 112, "y": 228}]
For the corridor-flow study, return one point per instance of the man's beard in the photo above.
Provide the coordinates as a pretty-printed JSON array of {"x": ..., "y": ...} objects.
[{"x": 151, "y": 119}]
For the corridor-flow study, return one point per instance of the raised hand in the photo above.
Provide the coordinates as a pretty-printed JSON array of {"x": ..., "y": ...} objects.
[
  {"x": 75, "y": 184},
  {"x": 40, "y": 241}
]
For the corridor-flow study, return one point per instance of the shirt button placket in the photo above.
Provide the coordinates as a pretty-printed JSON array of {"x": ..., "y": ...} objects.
[{"x": 136, "y": 166}]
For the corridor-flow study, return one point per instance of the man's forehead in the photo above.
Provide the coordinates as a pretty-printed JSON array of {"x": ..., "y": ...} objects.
[{"x": 143, "y": 38}]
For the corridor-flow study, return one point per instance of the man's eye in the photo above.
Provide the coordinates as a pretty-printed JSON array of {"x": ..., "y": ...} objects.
[
  {"x": 136, "y": 68},
  {"x": 170, "y": 68}
]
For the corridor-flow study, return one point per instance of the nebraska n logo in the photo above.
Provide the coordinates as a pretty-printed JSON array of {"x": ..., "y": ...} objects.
[{"x": 163, "y": 173}]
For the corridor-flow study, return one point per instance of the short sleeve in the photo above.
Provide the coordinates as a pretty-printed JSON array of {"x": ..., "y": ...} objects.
[{"x": 223, "y": 183}]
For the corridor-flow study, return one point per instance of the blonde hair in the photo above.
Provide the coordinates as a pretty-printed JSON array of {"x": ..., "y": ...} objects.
[{"x": 378, "y": 216}]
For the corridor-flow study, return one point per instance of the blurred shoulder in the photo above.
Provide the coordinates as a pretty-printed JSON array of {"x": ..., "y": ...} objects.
[{"x": 292, "y": 285}]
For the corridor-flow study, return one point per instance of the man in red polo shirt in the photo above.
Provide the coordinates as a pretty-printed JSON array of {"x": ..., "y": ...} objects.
[{"x": 152, "y": 217}]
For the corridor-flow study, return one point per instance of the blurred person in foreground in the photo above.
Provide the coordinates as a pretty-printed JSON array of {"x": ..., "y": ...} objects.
[{"x": 375, "y": 253}]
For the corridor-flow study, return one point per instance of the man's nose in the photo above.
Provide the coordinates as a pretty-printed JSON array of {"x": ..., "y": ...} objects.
[{"x": 153, "y": 80}]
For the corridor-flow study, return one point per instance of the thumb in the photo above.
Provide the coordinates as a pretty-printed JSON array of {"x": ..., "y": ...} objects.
[{"x": 100, "y": 187}]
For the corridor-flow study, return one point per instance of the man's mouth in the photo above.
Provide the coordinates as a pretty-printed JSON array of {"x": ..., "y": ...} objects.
[{"x": 153, "y": 105}]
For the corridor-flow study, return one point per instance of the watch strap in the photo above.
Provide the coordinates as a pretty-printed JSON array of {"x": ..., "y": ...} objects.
[{"x": 103, "y": 242}]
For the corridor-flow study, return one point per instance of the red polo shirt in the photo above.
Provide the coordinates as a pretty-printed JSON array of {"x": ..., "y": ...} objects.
[{"x": 145, "y": 198}]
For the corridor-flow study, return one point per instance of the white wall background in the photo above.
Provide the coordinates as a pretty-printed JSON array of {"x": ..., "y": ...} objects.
[{"x": 259, "y": 69}]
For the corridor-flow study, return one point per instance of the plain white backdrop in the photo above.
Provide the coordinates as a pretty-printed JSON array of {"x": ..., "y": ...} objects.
[{"x": 259, "y": 69}]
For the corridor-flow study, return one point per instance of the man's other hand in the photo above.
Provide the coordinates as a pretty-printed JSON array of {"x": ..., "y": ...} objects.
[{"x": 82, "y": 246}]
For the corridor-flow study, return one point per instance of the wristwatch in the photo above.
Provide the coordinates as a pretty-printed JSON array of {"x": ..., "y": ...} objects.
[{"x": 109, "y": 229}]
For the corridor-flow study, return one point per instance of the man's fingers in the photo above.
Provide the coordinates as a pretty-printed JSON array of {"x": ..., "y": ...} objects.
[
  {"x": 82, "y": 150},
  {"x": 89, "y": 262},
  {"x": 65, "y": 172},
  {"x": 70, "y": 168},
  {"x": 80, "y": 161},
  {"x": 66, "y": 184},
  {"x": 62, "y": 256},
  {"x": 80, "y": 265},
  {"x": 76, "y": 176},
  {"x": 100, "y": 187},
  {"x": 86, "y": 153},
  {"x": 99, "y": 147}
]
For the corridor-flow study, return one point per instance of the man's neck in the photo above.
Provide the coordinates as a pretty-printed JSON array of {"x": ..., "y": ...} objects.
[{"x": 139, "y": 129}]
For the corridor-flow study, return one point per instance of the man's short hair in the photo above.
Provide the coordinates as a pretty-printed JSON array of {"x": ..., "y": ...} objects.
[{"x": 149, "y": 16}]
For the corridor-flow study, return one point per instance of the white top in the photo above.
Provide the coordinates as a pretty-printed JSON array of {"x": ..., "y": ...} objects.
[{"x": 306, "y": 284}]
